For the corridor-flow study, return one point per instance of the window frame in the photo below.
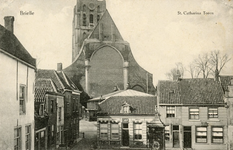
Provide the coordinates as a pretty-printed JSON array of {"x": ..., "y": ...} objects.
[
  {"x": 116, "y": 133},
  {"x": 206, "y": 136},
  {"x": 105, "y": 133},
  {"x": 214, "y": 117},
  {"x": 18, "y": 138},
  {"x": 190, "y": 118},
  {"x": 212, "y": 136},
  {"x": 138, "y": 136},
  {"x": 22, "y": 98},
  {"x": 28, "y": 134},
  {"x": 170, "y": 110}
]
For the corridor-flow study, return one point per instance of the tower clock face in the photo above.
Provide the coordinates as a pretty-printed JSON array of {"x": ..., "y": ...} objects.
[{"x": 91, "y": 6}]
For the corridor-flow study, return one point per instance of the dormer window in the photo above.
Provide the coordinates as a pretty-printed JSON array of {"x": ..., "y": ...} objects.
[{"x": 125, "y": 108}]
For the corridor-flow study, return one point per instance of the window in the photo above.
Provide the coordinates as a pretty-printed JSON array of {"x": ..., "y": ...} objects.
[
  {"x": 91, "y": 18},
  {"x": 213, "y": 112},
  {"x": 125, "y": 108},
  {"x": 114, "y": 131},
  {"x": 103, "y": 130},
  {"x": 22, "y": 98},
  {"x": 201, "y": 134},
  {"x": 84, "y": 8},
  {"x": 137, "y": 131},
  {"x": 170, "y": 110},
  {"x": 52, "y": 130},
  {"x": 59, "y": 113},
  {"x": 98, "y": 18},
  {"x": 194, "y": 113},
  {"x": 51, "y": 106},
  {"x": 41, "y": 110},
  {"x": 84, "y": 20},
  {"x": 28, "y": 137},
  {"x": 17, "y": 138},
  {"x": 167, "y": 133},
  {"x": 217, "y": 134}
]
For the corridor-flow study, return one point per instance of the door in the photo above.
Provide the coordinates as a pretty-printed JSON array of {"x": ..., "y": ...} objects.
[
  {"x": 187, "y": 137},
  {"x": 125, "y": 134},
  {"x": 176, "y": 140}
]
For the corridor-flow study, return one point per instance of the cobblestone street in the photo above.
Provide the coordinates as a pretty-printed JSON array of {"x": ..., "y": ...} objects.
[{"x": 89, "y": 141}]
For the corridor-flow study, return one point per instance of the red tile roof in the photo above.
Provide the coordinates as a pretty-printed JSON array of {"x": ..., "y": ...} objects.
[{"x": 190, "y": 91}]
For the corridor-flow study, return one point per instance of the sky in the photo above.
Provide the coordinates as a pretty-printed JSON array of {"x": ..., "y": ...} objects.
[{"x": 158, "y": 36}]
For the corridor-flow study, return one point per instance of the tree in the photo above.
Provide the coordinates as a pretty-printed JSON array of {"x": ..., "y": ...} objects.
[
  {"x": 218, "y": 61},
  {"x": 176, "y": 73},
  {"x": 203, "y": 65},
  {"x": 209, "y": 64},
  {"x": 193, "y": 70}
]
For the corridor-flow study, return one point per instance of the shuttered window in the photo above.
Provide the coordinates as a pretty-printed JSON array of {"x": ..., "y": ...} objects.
[
  {"x": 103, "y": 131},
  {"x": 201, "y": 134},
  {"x": 217, "y": 134},
  {"x": 194, "y": 113},
  {"x": 114, "y": 131}
]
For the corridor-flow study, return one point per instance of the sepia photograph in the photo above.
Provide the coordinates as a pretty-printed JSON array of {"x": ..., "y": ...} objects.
[{"x": 116, "y": 74}]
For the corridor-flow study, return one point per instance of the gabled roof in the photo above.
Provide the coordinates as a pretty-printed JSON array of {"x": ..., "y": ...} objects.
[
  {"x": 11, "y": 45},
  {"x": 60, "y": 79},
  {"x": 128, "y": 92},
  {"x": 108, "y": 26},
  {"x": 43, "y": 86},
  {"x": 190, "y": 91},
  {"x": 141, "y": 103},
  {"x": 225, "y": 82}
]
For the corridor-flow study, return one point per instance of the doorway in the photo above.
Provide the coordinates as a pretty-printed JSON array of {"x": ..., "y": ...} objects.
[
  {"x": 187, "y": 137},
  {"x": 125, "y": 134},
  {"x": 176, "y": 139}
]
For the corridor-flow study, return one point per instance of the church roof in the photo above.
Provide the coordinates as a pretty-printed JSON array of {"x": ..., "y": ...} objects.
[
  {"x": 190, "y": 91},
  {"x": 107, "y": 27},
  {"x": 11, "y": 45}
]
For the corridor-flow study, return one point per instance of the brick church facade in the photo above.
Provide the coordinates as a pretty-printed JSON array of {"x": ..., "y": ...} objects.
[{"x": 101, "y": 59}]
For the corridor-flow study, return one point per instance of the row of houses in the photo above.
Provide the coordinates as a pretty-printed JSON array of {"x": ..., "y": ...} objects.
[
  {"x": 186, "y": 113},
  {"x": 39, "y": 108},
  {"x": 57, "y": 107}
]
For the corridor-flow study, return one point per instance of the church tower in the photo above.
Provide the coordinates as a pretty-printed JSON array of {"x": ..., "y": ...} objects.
[
  {"x": 87, "y": 14},
  {"x": 101, "y": 59}
]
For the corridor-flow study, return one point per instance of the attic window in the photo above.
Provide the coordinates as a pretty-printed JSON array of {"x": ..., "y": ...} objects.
[{"x": 125, "y": 108}]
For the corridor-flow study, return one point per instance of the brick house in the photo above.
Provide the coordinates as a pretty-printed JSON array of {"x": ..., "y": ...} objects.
[
  {"x": 194, "y": 113},
  {"x": 18, "y": 69},
  {"x": 71, "y": 102},
  {"x": 227, "y": 85},
  {"x": 49, "y": 115},
  {"x": 123, "y": 119}
]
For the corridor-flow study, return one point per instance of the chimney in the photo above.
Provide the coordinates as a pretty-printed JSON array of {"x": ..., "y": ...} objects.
[
  {"x": 59, "y": 66},
  {"x": 9, "y": 23}
]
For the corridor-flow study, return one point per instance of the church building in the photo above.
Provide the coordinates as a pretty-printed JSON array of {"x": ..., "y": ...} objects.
[{"x": 101, "y": 59}]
